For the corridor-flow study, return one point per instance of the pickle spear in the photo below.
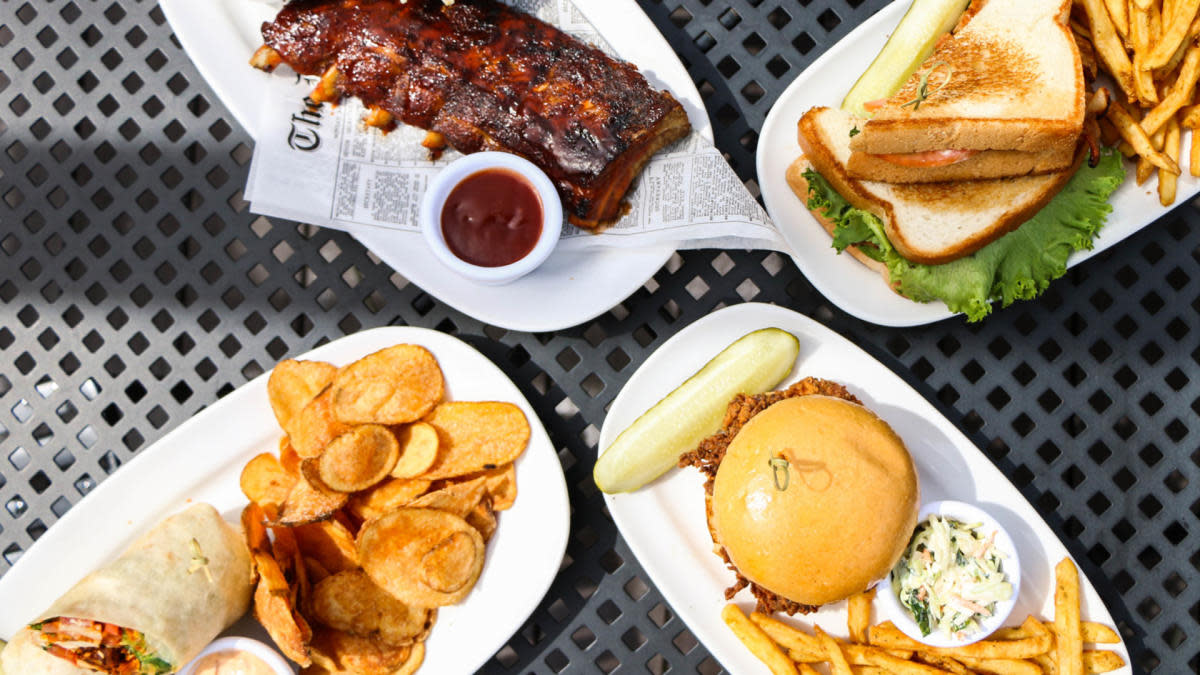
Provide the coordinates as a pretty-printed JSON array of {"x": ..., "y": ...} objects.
[
  {"x": 910, "y": 44},
  {"x": 754, "y": 363}
]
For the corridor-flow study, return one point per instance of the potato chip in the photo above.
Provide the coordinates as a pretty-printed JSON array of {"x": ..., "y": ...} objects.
[
  {"x": 328, "y": 542},
  {"x": 483, "y": 519},
  {"x": 349, "y": 601},
  {"x": 423, "y": 557},
  {"x": 396, "y": 385},
  {"x": 264, "y": 482},
  {"x": 315, "y": 570},
  {"x": 275, "y": 610},
  {"x": 457, "y": 498},
  {"x": 502, "y": 486},
  {"x": 387, "y": 496},
  {"x": 307, "y": 503},
  {"x": 288, "y": 458},
  {"x": 418, "y": 449},
  {"x": 358, "y": 459},
  {"x": 476, "y": 436},
  {"x": 254, "y": 527},
  {"x": 315, "y": 426},
  {"x": 342, "y": 653},
  {"x": 293, "y": 384}
]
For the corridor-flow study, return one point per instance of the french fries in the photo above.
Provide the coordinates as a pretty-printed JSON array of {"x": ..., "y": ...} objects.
[
  {"x": 1036, "y": 647},
  {"x": 1150, "y": 49}
]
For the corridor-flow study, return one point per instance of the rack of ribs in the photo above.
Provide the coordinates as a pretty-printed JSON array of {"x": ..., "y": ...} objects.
[{"x": 480, "y": 75}]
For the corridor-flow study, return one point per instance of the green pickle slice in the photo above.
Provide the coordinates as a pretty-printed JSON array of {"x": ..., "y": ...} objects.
[
  {"x": 754, "y": 363},
  {"x": 910, "y": 44}
]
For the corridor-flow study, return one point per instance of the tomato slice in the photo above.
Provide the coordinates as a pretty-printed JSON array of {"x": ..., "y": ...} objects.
[{"x": 928, "y": 159}]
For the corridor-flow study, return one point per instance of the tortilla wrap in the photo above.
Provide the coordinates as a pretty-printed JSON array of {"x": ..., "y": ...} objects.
[{"x": 180, "y": 585}]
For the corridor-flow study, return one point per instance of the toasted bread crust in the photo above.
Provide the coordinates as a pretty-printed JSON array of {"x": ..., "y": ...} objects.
[
  {"x": 817, "y": 150},
  {"x": 984, "y": 164},
  {"x": 795, "y": 179}
]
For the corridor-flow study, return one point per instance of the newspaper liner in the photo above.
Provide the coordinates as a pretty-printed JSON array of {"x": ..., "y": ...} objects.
[{"x": 322, "y": 165}]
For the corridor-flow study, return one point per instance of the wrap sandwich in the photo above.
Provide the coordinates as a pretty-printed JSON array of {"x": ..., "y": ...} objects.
[{"x": 149, "y": 611}]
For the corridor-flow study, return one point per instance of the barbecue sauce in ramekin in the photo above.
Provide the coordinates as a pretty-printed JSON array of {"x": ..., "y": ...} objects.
[{"x": 492, "y": 218}]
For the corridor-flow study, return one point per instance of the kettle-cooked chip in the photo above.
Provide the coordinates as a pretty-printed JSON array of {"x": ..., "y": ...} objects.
[
  {"x": 502, "y": 486},
  {"x": 418, "y": 449},
  {"x": 423, "y": 557},
  {"x": 328, "y": 542},
  {"x": 307, "y": 503},
  {"x": 342, "y": 653},
  {"x": 358, "y": 459},
  {"x": 255, "y": 529},
  {"x": 288, "y": 458},
  {"x": 293, "y": 384},
  {"x": 275, "y": 609},
  {"x": 264, "y": 481},
  {"x": 387, "y": 496},
  {"x": 458, "y": 498},
  {"x": 351, "y": 602},
  {"x": 396, "y": 385},
  {"x": 483, "y": 518},
  {"x": 315, "y": 426},
  {"x": 476, "y": 436}
]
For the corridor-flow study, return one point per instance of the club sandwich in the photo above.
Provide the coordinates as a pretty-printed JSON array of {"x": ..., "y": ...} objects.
[{"x": 1003, "y": 95}]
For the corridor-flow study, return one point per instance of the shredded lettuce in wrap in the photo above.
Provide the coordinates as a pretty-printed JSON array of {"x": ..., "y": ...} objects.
[{"x": 1018, "y": 266}]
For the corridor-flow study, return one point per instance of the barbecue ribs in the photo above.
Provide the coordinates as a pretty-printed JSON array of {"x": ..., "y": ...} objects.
[{"x": 480, "y": 75}]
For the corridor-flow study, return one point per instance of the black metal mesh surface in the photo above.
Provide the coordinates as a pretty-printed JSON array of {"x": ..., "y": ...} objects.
[{"x": 135, "y": 288}]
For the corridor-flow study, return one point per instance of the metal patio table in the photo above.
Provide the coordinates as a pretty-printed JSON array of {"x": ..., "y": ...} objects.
[{"x": 136, "y": 288}]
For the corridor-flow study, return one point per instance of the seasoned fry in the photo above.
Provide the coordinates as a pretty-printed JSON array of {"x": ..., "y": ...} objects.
[
  {"x": 1133, "y": 133},
  {"x": 1175, "y": 31},
  {"x": 833, "y": 653},
  {"x": 944, "y": 662},
  {"x": 858, "y": 614},
  {"x": 1167, "y": 181},
  {"x": 1101, "y": 662},
  {"x": 888, "y": 636},
  {"x": 797, "y": 642},
  {"x": 1002, "y": 666},
  {"x": 1109, "y": 47},
  {"x": 1068, "y": 636},
  {"x": 1118, "y": 11},
  {"x": 1095, "y": 633},
  {"x": 1180, "y": 95},
  {"x": 757, "y": 641}
]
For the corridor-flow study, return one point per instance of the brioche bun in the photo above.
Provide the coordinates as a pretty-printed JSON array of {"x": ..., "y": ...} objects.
[{"x": 847, "y": 510}]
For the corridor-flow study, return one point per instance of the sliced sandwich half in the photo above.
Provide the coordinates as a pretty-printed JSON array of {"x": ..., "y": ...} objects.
[
  {"x": 947, "y": 241},
  {"x": 1001, "y": 96}
]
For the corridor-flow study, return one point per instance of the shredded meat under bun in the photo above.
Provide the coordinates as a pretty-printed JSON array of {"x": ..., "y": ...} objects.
[{"x": 815, "y": 499}]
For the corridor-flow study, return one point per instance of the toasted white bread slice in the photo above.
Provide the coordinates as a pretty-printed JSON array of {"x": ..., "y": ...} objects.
[
  {"x": 1009, "y": 79},
  {"x": 930, "y": 223},
  {"x": 981, "y": 164}
]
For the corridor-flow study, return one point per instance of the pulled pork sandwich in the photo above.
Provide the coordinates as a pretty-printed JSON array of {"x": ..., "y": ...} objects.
[{"x": 811, "y": 497}]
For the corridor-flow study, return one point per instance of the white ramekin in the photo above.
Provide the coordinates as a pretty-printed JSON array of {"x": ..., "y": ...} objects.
[
  {"x": 245, "y": 644},
  {"x": 445, "y": 181},
  {"x": 889, "y": 607}
]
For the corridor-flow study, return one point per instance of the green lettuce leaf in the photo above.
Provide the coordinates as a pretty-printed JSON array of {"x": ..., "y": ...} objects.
[{"x": 1018, "y": 266}]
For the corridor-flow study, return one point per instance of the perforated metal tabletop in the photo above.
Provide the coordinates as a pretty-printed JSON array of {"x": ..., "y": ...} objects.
[{"x": 136, "y": 288}]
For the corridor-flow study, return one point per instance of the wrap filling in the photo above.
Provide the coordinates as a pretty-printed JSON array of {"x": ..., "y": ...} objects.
[{"x": 102, "y": 647}]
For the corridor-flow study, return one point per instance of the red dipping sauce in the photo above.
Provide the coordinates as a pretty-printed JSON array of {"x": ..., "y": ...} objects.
[{"x": 492, "y": 218}]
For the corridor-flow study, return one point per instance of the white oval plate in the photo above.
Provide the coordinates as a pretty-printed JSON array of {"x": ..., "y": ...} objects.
[
  {"x": 846, "y": 282},
  {"x": 572, "y": 286},
  {"x": 664, "y": 522},
  {"x": 202, "y": 460}
]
